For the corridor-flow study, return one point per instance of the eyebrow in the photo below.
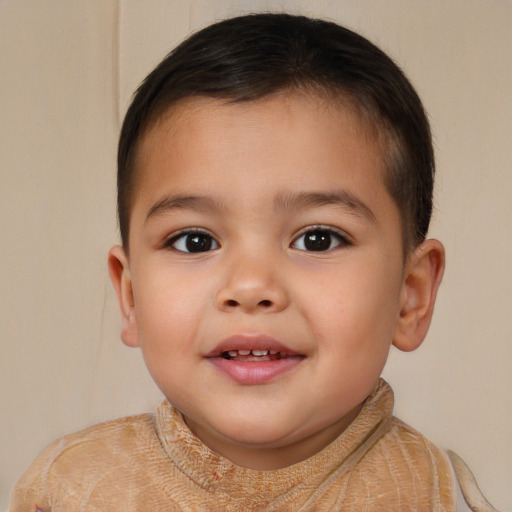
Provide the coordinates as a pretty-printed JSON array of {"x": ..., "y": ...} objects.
[
  {"x": 339, "y": 198},
  {"x": 183, "y": 202},
  {"x": 283, "y": 202}
]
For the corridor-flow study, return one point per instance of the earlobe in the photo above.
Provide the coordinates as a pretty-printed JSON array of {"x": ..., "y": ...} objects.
[
  {"x": 119, "y": 270},
  {"x": 423, "y": 274}
]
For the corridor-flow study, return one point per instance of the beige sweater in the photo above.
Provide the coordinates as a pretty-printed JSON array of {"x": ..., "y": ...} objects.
[{"x": 152, "y": 462}]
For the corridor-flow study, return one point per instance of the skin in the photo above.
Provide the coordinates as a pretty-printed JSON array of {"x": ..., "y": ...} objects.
[{"x": 260, "y": 168}]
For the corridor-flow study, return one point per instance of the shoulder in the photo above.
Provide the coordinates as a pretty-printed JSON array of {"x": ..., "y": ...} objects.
[
  {"x": 445, "y": 470},
  {"x": 410, "y": 472},
  {"x": 105, "y": 441},
  {"x": 416, "y": 448},
  {"x": 80, "y": 459}
]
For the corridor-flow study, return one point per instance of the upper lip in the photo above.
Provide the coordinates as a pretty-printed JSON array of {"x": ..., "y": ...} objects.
[{"x": 249, "y": 342}]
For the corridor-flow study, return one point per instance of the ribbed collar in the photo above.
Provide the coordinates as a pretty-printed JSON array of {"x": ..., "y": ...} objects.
[{"x": 216, "y": 474}]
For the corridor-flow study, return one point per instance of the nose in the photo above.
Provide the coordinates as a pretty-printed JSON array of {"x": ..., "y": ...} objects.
[{"x": 252, "y": 286}]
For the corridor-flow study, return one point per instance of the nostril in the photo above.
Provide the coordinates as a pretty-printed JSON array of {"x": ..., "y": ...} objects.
[
  {"x": 265, "y": 303},
  {"x": 231, "y": 303}
]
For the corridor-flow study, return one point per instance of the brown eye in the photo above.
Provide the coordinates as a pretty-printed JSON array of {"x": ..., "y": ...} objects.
[
  {"x": 194, "y": 242},
  {"x": 319, "y": 240}
]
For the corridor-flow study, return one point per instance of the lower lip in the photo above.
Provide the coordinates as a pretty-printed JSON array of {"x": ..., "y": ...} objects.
[{"x": 255, "y": 372}]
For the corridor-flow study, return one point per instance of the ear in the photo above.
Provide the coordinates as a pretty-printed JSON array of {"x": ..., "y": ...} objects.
[
  {"x": 119, "y": 269},
  {"x": 423, "y": 274}
]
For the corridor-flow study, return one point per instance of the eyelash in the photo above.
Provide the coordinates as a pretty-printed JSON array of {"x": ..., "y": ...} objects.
[
  {"x": 182, "y": 237},
  {"x": 320, "y": 236},
  {"x": 341, "y": 238}
]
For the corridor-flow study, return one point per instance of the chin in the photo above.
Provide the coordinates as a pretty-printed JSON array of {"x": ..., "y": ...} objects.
[{"x": 259, "y": 434}]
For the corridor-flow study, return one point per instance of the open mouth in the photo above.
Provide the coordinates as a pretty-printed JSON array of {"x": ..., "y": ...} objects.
[
  {"x": 253, "y": 359},
  {"x": 253, "y": 355}
]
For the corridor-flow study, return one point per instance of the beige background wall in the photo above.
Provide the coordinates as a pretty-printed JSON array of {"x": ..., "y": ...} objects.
[{"x": 67, "y": 70}]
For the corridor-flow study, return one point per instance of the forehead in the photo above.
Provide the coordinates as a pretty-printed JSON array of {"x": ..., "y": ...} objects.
[
  {"x": 290, "y": 119},
  {"x": 279, "y": 144}
]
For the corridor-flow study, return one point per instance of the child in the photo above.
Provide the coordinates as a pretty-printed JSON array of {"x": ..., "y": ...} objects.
[{"x": 275, "y": 180}]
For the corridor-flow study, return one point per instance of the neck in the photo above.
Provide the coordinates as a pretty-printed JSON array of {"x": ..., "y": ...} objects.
[{"x": 273, "y": 456}]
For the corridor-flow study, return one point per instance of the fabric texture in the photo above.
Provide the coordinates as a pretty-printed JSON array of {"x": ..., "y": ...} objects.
[{"x": 153, "y": 462}]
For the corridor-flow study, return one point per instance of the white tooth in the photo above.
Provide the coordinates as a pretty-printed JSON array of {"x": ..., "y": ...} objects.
[
  {"x": 273, "y": 352},
  {"x": 260, "y": 352},
  {"x": 232, "y": 353},
  {"x": 244, "y": 352}
]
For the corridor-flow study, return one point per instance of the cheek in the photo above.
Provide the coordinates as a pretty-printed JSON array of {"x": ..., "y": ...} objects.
[
  {"x": 357, "y": 307},
  {"x": 168, "y": 308}
]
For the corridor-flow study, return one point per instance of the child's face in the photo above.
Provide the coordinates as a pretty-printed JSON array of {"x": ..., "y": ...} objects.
[{"x": 263, "y": 225}]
